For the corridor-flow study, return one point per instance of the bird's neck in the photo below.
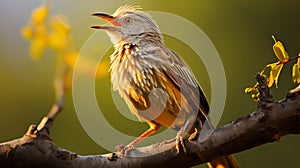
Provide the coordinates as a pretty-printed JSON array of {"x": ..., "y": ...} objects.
[{"x": 141, "y": 40}]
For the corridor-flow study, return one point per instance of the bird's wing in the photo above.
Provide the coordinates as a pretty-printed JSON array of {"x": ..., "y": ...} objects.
[
  {"x": 191, "y": 98},
  {"x": 186, "y": 81}
]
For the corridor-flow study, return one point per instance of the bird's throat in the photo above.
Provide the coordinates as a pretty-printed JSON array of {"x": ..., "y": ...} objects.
[{"x": 114, "y": 38}]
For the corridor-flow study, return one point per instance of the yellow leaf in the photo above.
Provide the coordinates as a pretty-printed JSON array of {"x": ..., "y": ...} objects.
[
  {"x": 89, "y": 66},
  {"x": 248, "y": 90},
  {"x": 296, "y": 72},
  {"x": 40, "y": 31},
  {"x": 37, "y": 47},
  {"x": 298, "y": 60},
  {"x": 60, "y": 24},
  {"x": 274, "y": 74},
  {"x": 279, "y": 51},
  {"x": 57, "y": 41},
  {"x": 27, "y": 32},
  {"x": 40, "y": 14},
  {"x": 71, "y": 58},
  {"x": 59, "y": 37}
]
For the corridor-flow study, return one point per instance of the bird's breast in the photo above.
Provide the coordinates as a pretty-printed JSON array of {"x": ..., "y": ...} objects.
[{"x": 145, "y": 87}]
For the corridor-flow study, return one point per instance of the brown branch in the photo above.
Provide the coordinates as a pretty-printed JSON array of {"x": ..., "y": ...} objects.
[{"x": 271, "y": 120}]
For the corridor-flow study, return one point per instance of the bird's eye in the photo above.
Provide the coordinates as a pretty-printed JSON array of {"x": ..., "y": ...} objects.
[{"x": 128, "y": 20}]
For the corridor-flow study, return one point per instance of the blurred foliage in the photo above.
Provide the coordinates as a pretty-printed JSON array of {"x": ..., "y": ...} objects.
[
  {"x": 54, "y": 33},
  {"x": 43, "y": 32},
  {"x": 275, "y": 69}
]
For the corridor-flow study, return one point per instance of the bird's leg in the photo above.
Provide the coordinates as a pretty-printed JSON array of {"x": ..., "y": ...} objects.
[
  {"x": 179, "y": 137},
  {"x": 153, "y": 128},
  {"x": 194, "y": 135}
]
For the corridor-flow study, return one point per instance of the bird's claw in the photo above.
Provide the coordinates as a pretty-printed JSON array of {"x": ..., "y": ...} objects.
[
  {"x": 180, "y": 145},
  {"x": 119, "y": 148},
  {"x": 124, "y": 150},
  {"x": 194, "y": 136}
]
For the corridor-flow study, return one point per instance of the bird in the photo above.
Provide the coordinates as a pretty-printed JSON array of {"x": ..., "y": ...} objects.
[{"x": 155, "y": 82}]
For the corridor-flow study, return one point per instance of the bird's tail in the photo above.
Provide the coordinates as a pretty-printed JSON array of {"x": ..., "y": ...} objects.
[
  {"x": 203, "y": 123},
  {"x": 224, "y": 162}
]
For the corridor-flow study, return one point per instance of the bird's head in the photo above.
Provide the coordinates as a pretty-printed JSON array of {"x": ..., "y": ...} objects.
[{"x": 127, "y": 22}]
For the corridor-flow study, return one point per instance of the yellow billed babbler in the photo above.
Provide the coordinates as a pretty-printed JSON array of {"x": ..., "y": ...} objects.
[{"x": 154, "y": 81}]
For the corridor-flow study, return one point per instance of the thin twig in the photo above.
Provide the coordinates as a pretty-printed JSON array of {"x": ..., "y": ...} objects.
[{"x": 59, "y": 86}]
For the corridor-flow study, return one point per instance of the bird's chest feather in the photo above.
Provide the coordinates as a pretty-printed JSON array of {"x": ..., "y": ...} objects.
[
  {"x": 141, "y": 83},
  {"x": 129, "y": 69}
]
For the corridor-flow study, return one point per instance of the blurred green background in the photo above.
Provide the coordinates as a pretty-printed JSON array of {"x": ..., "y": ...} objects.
[{"x": 240, "y": 30}]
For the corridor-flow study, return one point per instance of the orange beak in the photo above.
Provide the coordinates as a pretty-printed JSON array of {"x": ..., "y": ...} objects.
[{"x": 107, "y": 18}]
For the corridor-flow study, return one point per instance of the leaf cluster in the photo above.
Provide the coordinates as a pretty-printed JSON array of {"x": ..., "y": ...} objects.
[
  {"x": 275, "y": 69},
  {"x": 54, "y": 32}
]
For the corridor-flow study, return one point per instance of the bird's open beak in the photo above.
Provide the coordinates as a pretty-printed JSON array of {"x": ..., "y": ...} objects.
[{"x": 107, "y": 18}]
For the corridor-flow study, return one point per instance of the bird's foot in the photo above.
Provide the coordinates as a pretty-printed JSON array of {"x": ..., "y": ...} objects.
[
  {"x": 194, "y": 136},
  {"x": 180, "y": 144},
  {"x": 124, "y": 150}
]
